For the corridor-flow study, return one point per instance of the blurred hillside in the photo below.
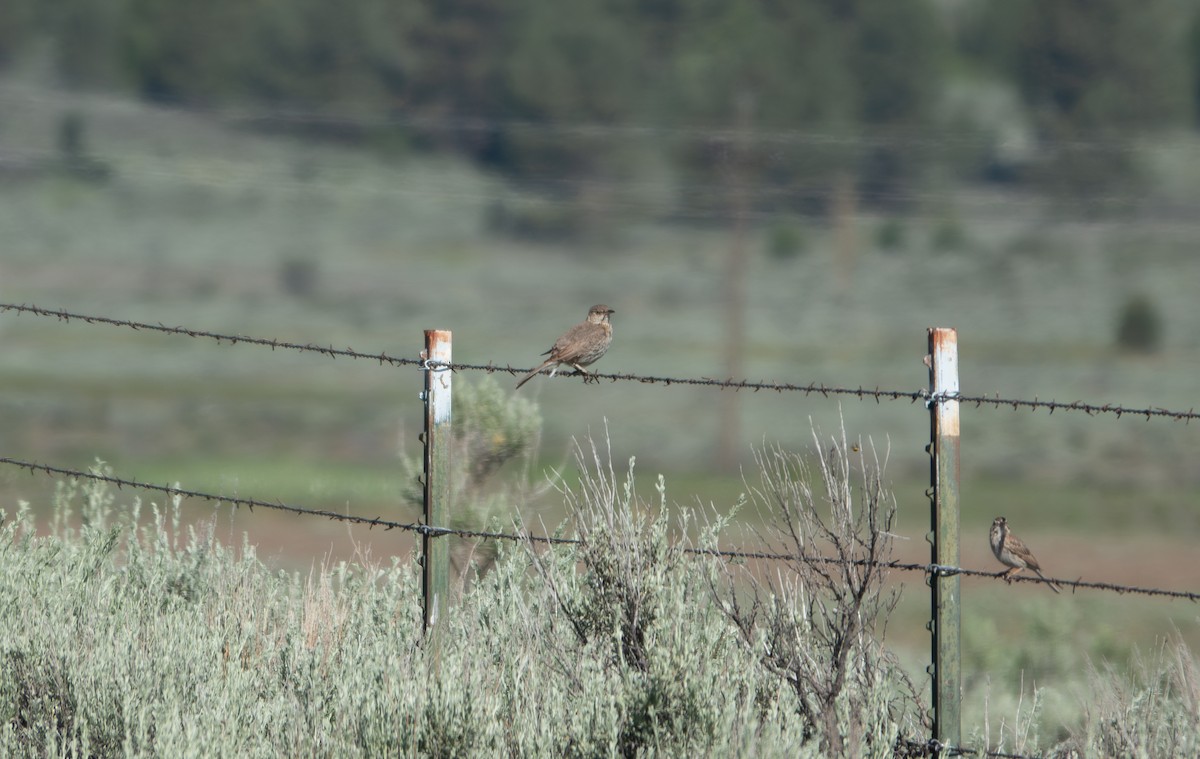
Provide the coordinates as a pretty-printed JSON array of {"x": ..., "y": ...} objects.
[
  {"x": 789, "y": 191},
  {"x": 891, "y": 93}
]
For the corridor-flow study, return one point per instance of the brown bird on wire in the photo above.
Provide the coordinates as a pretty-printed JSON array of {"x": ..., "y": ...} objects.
[
  {"x": 1012, "y": 553},
  {"x": 581, "y": 345}
]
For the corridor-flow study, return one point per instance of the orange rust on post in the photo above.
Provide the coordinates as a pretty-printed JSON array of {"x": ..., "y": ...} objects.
[{"x": 943, "y": 346}]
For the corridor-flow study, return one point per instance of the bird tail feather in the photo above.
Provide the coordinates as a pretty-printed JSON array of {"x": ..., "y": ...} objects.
[
  {"x": 1048, "y": 582},
  {"x": 535, "y": 372}
]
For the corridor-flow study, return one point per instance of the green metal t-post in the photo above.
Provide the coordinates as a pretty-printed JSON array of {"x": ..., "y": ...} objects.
[
  {"x": 435, "y": 547},
  {"x": 944, "y": 444}
]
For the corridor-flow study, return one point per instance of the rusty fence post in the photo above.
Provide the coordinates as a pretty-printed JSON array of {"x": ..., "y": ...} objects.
[
  {"x": 435, "y": 548},
  {"x": 943, "y": 450}
]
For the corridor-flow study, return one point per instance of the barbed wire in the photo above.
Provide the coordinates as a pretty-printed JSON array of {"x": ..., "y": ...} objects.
[
  {"x": 67, "y": 316},
  {"x": 932, "y": 569},
  {"x": 1091, "y": 409},
  {"x": 910, "y": 749},
  {"x": 944, "y": 570},
  {"x": 251, "y": 503},
  {"x": 862, "y": 393},
  {"x": 1076, "y": 584}
]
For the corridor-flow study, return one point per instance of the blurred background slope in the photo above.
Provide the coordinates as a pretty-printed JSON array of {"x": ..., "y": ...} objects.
[{"x": 781, "y": 191}]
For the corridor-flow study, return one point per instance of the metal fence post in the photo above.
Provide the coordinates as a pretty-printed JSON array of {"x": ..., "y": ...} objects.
[
  {"x": 435, "y": 548},
  {"x": 943, "y": 451}
]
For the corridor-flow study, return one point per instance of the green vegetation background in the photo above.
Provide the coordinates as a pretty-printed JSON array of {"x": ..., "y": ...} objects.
[{"x": 350, "y": 174}]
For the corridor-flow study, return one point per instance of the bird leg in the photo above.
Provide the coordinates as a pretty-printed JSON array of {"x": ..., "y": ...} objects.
[{"x": 587, "y": 376}]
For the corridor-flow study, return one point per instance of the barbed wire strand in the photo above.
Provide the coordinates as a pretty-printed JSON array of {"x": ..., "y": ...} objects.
[
  {"x": 934, "y": 747},
  {"x": 67, "y": 316},
  {"x": 911, "y": 749},
  {"x": 253, "y": 503},
  {"x": 862, "y": 393},
  {"x": 935, "y": 570},
  {"x": 992, "y": 754}
]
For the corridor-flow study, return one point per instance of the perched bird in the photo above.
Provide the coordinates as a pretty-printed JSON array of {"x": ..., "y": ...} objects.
[
  {"x": 1012, "y": 553},
  {"x": 581, "y": 346}
]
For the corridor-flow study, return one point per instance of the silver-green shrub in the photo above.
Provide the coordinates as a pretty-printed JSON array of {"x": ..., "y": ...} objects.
[
  {"x": 492, "y": 429},
  {"x": 816, "y": 620},
  {"x": 125, "y": 633}
]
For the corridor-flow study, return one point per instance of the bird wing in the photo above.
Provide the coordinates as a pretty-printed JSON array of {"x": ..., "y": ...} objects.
[
  {"x": 568, "y": 346},
  {"x": 1018, "y": 549}
]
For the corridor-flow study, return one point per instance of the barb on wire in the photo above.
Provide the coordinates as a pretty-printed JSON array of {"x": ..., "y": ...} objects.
[
  {"x": 988, "y": 753},
  {"x": 436, "y": 531},
  {"x": 330, "y": 351},
  {"x": 862, "y": 393},
  {"x": 805, "y": 559},
  {"x": 1091, "y": 409},
  {"x": 422, "y": 529},
  {"x": 911, "y": 749},
  {"x": 253, "y": 503},
  {"x": 941, "y": 570}
]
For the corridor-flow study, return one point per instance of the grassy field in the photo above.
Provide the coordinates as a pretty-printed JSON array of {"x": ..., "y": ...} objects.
[{"x": 207, "y": 225}]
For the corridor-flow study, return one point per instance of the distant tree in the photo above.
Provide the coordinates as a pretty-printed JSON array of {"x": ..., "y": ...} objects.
[
  {"x": 86, "y": 52},
  {"x": 168, "y": 49},
  {"x": 297, "y": 53},
  {"x": 16, "y": 22},
  {"x": 869, "y": 71},
  {"x": 569, "y": 65},
  {"x": 1093, "y": 74},
  {"x": 456, "y": 82},
  {"x": 1101, "y": 64},
  {"x": 503, "y": 81},
  {"x": 354, "y": 61},
  {"x": 765, "y": 76},
  {"x": 1139, "y": 325},
  {"x": 1194, "y": 64},
  {"x": 897, "y": 57}
]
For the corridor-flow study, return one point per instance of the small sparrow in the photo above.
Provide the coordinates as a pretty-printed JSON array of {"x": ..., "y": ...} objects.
[
  {"x": 581, "y": 345},
  {"x": 1012, "y": 553}
]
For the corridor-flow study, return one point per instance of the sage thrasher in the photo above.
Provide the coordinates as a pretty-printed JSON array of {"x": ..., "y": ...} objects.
[{"x": 581, "y": 345}]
